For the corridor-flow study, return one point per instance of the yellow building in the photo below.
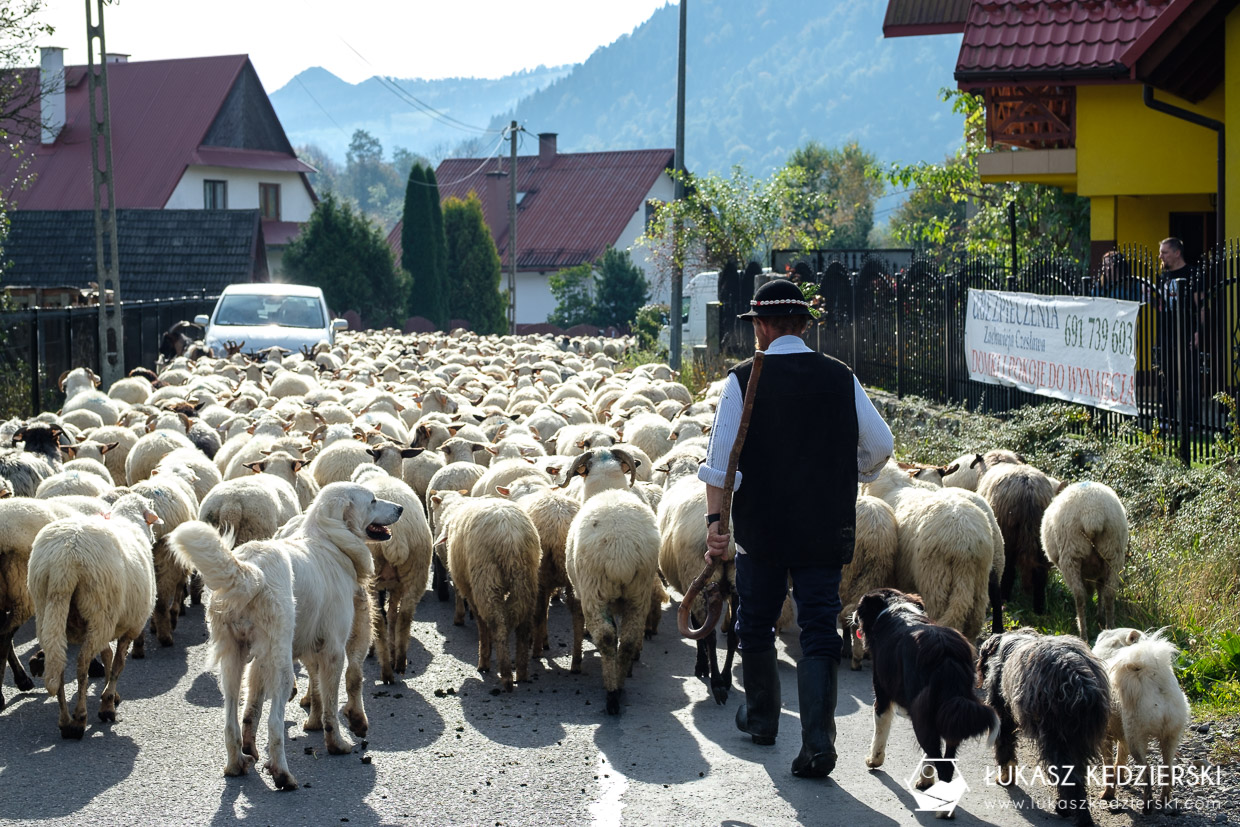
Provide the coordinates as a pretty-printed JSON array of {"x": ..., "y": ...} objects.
[{"x": 1124, "y": 102}]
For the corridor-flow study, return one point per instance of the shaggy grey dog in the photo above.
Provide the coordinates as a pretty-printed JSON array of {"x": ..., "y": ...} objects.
[{"x": 1055, "y": 691}]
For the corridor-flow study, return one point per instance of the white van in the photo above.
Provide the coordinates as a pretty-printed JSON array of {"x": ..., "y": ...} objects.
[{"x": 698, "y": 291}]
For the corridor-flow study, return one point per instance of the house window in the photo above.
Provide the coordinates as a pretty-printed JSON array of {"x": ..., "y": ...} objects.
[
  {"x": 269, "y": 201},
  {"x": 651, "y": 208},
  {"x": 215, "y": 195}
]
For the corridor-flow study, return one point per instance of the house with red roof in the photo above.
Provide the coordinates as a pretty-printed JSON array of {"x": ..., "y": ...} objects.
[
  {"x": 188, "y": 134},
  {"x": 570, "y": 207},
  {"x": 1134, "y": 104}
]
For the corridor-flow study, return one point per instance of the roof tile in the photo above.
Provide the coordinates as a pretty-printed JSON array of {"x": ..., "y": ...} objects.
[
  {"x": 1005, "y": 37},
  {"x": 574, "y": 207}
]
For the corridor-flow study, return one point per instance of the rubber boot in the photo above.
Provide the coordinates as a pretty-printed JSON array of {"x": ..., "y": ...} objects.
[
  {"x": 816, "y": 688},
  {"x": 759, "y": 715}
]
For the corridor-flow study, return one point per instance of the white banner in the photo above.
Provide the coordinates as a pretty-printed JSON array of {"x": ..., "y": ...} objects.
[{"x": 1067, "y": 347}]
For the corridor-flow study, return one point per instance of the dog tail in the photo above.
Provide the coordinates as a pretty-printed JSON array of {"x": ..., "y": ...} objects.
[
  {"x": 200, "y": 546},
  {"x": 963, "y": 716}
]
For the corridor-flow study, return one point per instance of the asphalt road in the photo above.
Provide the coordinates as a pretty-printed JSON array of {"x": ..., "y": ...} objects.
[{"x": 443, "y": 750}]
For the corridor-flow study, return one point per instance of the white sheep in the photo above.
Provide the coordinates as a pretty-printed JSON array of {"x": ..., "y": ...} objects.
[
  {"x": 682, "y": 533},
  {"x": 650, "y": 432},
  {"x": 1085, "y": 534},
  {"x": 612, "y": 558},
  {"x": 552, "y": 513},
  {"x": 292, "y": 470},
  {"x": 1147, "y": 705},
  {"x": 192, "y": 466},
  {"x": 172, "y": 498},
  {"x": 23, "y": 518},
  {"x": 946, "y": 548},
  {"x": 252, "y": 507},
  {"x": 401, "y": 569},
  {"x": 149, "y": 450},
  {"x": 80, "y": 386},
  {"x": 493, "y": 555},
  {"x": 970, "y": 468},
  {"x": 873, "y": 566},
  {"x": 102, "y": 569},
  {"x": 72, "y": 482}
]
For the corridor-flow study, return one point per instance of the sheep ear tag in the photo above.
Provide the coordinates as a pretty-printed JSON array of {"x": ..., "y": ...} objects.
[
  {"x": 151, "y": 517},
  {"x": 859, "y": 635}
]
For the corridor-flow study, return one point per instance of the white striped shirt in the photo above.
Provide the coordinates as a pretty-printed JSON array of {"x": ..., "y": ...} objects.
[{"x": 874, "y": 441}]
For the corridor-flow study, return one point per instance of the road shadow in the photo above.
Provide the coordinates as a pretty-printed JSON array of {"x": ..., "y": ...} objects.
[
  {"x": 653, "y": 747},
  {"x": 333, "y": 787},
  {"x": 813, "y": 797},
  {"x": 205, "y": 691},
  {"x": 45, "y": 771},
  {"x": 421, "y": 724}
]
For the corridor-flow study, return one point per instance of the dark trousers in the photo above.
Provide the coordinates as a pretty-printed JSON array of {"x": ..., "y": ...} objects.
[{"x": 762, "y": 587}]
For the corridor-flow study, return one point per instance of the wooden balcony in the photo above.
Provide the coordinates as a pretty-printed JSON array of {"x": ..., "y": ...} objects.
[{"x": 1031, "y": 117}]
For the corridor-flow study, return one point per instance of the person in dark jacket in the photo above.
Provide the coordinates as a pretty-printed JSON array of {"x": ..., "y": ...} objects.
[{"x": 813, "y": 433}]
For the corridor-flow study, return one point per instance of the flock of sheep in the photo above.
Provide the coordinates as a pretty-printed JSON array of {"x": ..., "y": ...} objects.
[{"x": 526, "y": 468}]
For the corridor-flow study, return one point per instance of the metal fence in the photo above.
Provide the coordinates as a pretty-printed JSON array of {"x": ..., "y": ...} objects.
[
  {"x": 901, "y": 328},
  {"x": 38, "y": 345}
]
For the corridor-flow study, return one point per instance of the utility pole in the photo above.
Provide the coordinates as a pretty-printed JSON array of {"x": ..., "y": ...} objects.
[
  {"x": 678, "y": 267},
  {"x": 111, "y": 331},
  {"x": 512, "y": 229}
]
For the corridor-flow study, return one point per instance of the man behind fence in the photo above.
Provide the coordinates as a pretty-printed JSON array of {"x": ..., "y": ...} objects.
[{"x": 1179, "y": 336}]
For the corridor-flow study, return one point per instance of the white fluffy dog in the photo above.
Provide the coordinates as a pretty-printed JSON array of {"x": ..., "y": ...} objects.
[
  {"x": 92, "y": 581},
  {"x": 303, "y": 596},
  {"x": 1147, "y": 704}
]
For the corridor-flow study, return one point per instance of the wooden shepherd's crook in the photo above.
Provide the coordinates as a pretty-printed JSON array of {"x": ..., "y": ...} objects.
[{"x": 712, "y": 596}]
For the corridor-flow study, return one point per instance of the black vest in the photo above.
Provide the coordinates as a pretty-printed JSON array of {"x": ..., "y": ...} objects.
[{"x": 797, "y": 504}]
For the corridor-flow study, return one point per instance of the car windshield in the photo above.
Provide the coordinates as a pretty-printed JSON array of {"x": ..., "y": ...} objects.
[{"x": 287, "y": 311}]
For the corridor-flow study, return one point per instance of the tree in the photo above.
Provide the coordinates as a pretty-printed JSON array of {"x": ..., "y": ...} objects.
[
  {"x": 845, "y": 178},
  {"x": 422, "y": 248},
  {"x": 1049, "y": 221},
  {"x": 369, "y": 181},
  {"x": 573, "y": 291},
  {"x": 605, "y": 293},
  {"x": 473, "y": 267},
  {"x": 327, "y": 177},
  {"x": 439, "y": 249},
  {"x": 735, "y": 219},
  {"x": 620, "y": 289},
  {"x": 344, "y": 253}
]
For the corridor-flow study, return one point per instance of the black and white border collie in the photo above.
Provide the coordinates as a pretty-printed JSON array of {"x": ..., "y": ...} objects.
[{"x": 925, "y": 670}]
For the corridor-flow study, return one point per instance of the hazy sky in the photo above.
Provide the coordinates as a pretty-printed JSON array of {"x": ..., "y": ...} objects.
[{"x": 354, "y": 40}]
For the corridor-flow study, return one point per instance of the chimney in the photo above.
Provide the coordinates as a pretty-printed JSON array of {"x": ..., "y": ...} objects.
[
  {"x": 52, "y": 91},
  {"x": 115, "y": 57},
  {"x": 546, "y": 148},
  {"x": 495, "y": 203}
]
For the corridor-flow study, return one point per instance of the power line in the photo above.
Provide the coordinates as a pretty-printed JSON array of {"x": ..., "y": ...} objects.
[
  {"x": 491, "y": 155},
  {"x": 320, "y": 106}
]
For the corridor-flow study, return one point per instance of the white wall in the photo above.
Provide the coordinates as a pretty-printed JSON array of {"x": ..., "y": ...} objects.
[
  {"x": 295, "y": 203},
  {"x": 664, "y": 189},
  {"x": 534, "y": 300}
]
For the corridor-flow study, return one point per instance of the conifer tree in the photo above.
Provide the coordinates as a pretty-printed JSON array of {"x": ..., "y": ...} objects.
[
  {"x": 439, "y": 245},
  {"x": 473, "y": 267},
  {"x": 417, "y": 248}
]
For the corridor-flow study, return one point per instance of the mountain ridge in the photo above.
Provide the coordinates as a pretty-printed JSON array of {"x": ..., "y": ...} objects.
[{"x": 764, "y": 77}]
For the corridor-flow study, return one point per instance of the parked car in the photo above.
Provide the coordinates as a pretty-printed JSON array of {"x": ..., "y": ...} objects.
[{"x": 259, "y": 316}]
